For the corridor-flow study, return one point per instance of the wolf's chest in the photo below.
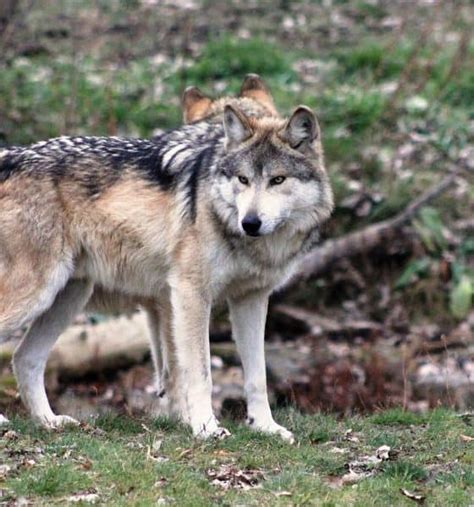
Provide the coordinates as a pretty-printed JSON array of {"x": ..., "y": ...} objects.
[{"x": 239, "y": 273}]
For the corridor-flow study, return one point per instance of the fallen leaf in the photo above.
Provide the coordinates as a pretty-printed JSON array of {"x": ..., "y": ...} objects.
[
  {"x": 85, "y": 463},
  {"x": 4, "y": 470},
  {"x": 89, "y": 428},
  {"x": 338, "y": 450},
  {"x": 350, "y": 437},
  {"x": 282, "y": 493},
  {"x": 29, "y": 463},
  {"x": 365, "y": 466},
  {"x": 228, "y": 476},
  {"x": 384, "y": 453},
  {"x": 222, "y": 452},
  {"x": 162, "y": 481},
  {"x": 146, "y": 428},
  {"x": 413, "y": 496},
  {"x": 156, "y": 445},
  {"x": 354, "y": 476},
  {"x": 84, "y": 497},
  {"x": 185, "y": 453}
]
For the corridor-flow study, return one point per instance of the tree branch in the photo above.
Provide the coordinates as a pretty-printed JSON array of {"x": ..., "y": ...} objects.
[{"x": 319, "y": 259}]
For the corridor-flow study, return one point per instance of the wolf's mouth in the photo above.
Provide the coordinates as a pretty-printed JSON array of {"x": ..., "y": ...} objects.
[{"x": 253, "y": 234}]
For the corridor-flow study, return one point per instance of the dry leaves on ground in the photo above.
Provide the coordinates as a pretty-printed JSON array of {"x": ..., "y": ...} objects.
[
  {"x": 364, "y": 467},
  {"x": 84, "y": 497},
  {"x": 228, "y": 476}
]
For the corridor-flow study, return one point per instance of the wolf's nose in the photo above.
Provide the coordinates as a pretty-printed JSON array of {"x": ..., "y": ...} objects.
[{"x": 251, "y": 224}]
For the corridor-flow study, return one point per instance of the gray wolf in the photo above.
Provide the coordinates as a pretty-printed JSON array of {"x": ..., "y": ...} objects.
[{"x": 219, "y": 209}]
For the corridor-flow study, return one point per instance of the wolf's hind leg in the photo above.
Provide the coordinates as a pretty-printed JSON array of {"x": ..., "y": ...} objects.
[
  {"x": 27, "y": 292},
  {"x": 29, "y": 359},
  {"x": 160, "y": 332}
]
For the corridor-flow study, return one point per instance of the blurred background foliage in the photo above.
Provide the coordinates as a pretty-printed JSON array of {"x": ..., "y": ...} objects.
[{"x": 391, "y": 82}]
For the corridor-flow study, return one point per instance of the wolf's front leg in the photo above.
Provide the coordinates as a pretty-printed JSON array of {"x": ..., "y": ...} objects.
[
  {"x": 190, "y": 382},
  {"x": 248, "y": 316}
]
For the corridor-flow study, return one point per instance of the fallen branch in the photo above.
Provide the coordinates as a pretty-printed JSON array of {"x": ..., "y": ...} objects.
[
  {"x": 84, "y": 348},
  {"x": 318, "y": 326},
  {"x": 318, "y": 260}
]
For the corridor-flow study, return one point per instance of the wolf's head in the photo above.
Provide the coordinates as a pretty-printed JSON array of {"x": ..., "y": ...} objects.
[
  {"x": 254, "y": 99},
  {"x": 272, "y": 176}
]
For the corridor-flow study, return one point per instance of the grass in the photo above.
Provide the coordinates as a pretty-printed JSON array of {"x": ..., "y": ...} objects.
[
  {"x": 139, "y": 461},
  {"x": 230, "y": 58}
]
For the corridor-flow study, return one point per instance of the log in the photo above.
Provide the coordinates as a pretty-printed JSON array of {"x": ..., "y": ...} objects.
[
  {"x": 319, "y": 326},
  {"x": 84, "y": 348},
  {"x": 112, "y": 344}
]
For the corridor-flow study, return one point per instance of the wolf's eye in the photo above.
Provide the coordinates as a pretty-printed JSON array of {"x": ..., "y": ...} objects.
[
  {"x": 277, "y": 180},
  {"x": 243, "y": 180}
]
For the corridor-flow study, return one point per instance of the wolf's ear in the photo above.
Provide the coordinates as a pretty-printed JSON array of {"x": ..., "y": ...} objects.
[
  {"x": 195, "y": 104},
  {"x": 236, "y": 126},
  {"x": 254, "y": 88},
  {"x": 301, "y": 129}
]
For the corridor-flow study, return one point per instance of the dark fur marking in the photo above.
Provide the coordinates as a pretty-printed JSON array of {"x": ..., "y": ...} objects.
[
  {"x": 192, "y": 184},
  {"x": 228, "y": 235},
  {"x": 8, "y": 165},
  {"x": 77, "y": 156},
  {"x": 311, "y": 240}
]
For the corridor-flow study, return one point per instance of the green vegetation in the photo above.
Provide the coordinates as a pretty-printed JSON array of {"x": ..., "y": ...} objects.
[
  {"x": 229, "y": 58},
  {"x": 136, "y": 462}
]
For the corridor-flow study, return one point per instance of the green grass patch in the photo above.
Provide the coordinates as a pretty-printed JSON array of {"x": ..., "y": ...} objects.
[
  {"x": 137, "y": 462},
  {"x": 405, "y": 471},
  {"x": 52, "y": 481},
  {"x": 228, "y": 58},
  {"x": 110, "y": 422},
  {"x": 371, "y": 58},
  {"x": 62, "y": 96},
  {"x": 398, "y": 416}
]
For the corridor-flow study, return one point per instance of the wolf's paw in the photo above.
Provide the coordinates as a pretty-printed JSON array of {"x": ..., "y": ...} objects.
[
  {"x": 3, "y": 420},
  {"x": 162, "y": 406},
  {"x": 58, "y": 422},
  {"x": 272, "y": 428},
  {"x": 285, "y": 434}
]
